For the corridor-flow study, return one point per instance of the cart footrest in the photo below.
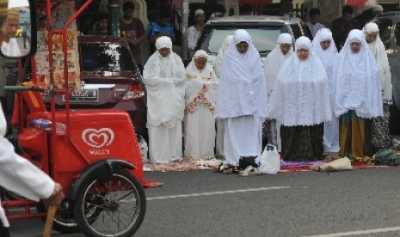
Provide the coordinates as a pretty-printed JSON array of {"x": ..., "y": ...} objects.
[{"x": 21, "y": 210}]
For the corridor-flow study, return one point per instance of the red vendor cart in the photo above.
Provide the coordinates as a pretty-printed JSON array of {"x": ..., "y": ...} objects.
[{"x": 93, "y": 154}]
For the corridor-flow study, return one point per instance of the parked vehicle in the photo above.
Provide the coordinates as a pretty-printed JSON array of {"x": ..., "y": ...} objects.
[
  {"x": 110, "y": 79},
  {"x": 389, "y": 24},
  {"x": 265, "y": 30}
]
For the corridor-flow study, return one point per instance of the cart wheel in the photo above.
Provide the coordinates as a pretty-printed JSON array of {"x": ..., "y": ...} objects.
[{"x": 113, "y": 206}]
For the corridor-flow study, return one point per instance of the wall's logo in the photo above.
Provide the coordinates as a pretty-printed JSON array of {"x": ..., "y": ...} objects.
[{"x": 98, "y": 138}]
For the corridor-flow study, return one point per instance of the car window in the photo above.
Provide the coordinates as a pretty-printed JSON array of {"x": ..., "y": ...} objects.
[
  {"x": 105, "y": 57},
  {"x": 264, "y": 38}
]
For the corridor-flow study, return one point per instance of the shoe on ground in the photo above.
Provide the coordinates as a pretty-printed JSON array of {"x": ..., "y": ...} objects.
[{"x": 250, "y": 170}]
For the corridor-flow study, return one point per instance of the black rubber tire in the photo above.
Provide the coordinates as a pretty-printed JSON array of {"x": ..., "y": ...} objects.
[
  {"x": 65, "y": 229},
  {"x": 80, "y": 217}
]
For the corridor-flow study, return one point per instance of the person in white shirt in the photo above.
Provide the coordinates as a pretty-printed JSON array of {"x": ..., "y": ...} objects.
[
  {"x": 13, "y": 46},
  {"x": 241, "y": 102},
  {"x": 164, "y": 77},
  {"x": 22, "y": 177},
  {"x": 380, "y": 126},
  {"x": 201, "y": 86},
  {"x": 272, "y": 65},
  {"x": 194, "y": 32},
  {"x": 314, "y": 25},
  {"x": 325, "y": 48}
]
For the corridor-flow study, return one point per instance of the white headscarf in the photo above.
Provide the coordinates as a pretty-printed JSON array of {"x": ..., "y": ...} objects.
[
  {"x": 164, "y": 78},
  {"x": 276, "y": 59},
  {"x": 379, "y": 52},
  {"x": 301, "y": 93},
  {"x": 328, "y": 56},
  {"x": 242, "y": 89},
  {"x": 285, "y": 38},
  {"x": 221, "y": 54},
  {"x": 163, "y": 42},
  {"x": 192, "y": 71},
  {"x": 357, "y": 84}
]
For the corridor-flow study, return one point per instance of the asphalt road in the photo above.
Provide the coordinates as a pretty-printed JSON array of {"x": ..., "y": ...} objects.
[{"x": 355, "y": 203}]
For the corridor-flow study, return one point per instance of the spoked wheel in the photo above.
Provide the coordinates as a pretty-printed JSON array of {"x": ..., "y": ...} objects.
[{"x": 110, "y": 207}]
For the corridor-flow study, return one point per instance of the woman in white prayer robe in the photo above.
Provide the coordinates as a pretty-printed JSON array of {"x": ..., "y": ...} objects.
[
  {"x": 217, "y": 67},
  {"x": 241, "y": 101},
  {"x": 201, "y": 86},
  {"x": 325, "y": 48},
  {"x": 164, "y": 77},
  {"x": 300, "y": 102},
  {"x": 358, "y": 94},
  {"x": 272, "y": 66},
  {"x": 380, "y": 126}
]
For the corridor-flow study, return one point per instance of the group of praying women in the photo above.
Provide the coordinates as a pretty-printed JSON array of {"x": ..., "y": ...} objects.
[{"x": 308, "y": 101}]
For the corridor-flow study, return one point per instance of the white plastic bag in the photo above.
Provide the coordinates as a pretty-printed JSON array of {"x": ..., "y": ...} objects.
[
  {"x": 144, "y": 149},
  {"x": 270, "y": 162}
]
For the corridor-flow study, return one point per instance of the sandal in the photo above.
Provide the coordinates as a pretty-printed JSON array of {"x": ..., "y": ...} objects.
[
  {"x": 220, "y": 168},
  {"x": 230, "y": 170}
]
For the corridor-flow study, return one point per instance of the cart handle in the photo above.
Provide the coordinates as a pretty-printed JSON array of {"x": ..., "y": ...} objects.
[{"x": 17, "y": 89}]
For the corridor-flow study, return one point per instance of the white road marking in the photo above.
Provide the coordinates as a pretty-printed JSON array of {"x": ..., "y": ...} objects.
[
  {"x": 360, "y": 232},
  {"x": 191, "y": 195}
]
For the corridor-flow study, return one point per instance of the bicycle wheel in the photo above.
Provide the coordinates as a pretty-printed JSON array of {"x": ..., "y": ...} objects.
[{"x": 119, "y": 203}]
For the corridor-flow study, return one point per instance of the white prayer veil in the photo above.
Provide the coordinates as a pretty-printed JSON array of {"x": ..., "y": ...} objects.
[
  {"x": 276, "y": 59},
  {"x": 196, "y": 79},
  {"x": 379, "y": 52},
  {"x": 242, "y": 89},
  {"x": 163, "y": 42},
  {"x": 357, "y": 84},
  {"x": 301, "y": 94},
  {"x": 192, "y": 71},
  {"x": 328, "y": 56},
  {"x": 221, "y": 53},
  {"x": 285, "y": 38},
  {"x": 164, "y": 78}
]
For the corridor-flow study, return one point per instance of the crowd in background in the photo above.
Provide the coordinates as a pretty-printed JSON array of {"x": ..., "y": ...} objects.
[
  {"x": 308, "y": 100},
  {"x": 322, "y": 97}
]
